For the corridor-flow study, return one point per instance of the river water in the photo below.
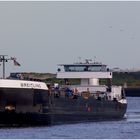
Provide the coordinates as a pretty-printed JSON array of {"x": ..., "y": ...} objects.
[{"x": 128, "y": 128}]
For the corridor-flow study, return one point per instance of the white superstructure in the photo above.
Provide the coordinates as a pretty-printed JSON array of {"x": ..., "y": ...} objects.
[
  {"x": 84, "y": 74},
  {"x": 89, "y": 74}
]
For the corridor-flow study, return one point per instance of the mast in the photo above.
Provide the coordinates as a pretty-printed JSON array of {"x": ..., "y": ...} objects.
[{"x": 3, "y": 59}]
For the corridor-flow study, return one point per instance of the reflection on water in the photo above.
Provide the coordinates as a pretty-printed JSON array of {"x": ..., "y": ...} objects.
[
  {"x": 133, "y": 109},
  {"x": 128, "y": 128},
  {"x": 133, "y": 116}
]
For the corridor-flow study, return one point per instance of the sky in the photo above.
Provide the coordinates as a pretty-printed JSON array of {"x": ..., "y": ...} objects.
[{"x": 43, "y": 34}]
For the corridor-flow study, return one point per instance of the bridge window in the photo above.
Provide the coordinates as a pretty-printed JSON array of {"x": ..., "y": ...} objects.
[
  {"x": 81, "y": 68},
  {"x": 76, "y": 68}
]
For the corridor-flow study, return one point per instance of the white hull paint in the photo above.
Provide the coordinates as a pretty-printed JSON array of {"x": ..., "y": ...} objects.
[{"x": 8, "y": 83}]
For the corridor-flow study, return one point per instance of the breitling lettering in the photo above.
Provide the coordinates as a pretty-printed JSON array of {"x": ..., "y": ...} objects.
[{"x": 30, "y": 85}]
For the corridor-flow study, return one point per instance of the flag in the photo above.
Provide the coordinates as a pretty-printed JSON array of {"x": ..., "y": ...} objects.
[
  {"x": 13, "y": 58},
  {"x": 16, "y": 63}
]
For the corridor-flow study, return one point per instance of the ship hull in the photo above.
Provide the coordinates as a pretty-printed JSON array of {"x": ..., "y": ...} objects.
[
  {"x": 84, "y": 110},
  {"x": 132, "y": 92},
  {"x": 19, "y": 107},
  {"x": 37, "y": 119},
  {"x": 53, "y": 117}
]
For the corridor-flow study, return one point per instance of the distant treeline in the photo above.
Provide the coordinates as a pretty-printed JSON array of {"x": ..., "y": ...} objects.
[{"x": 131, "y": 79}]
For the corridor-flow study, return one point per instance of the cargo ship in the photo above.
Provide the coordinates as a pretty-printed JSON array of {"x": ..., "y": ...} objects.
[
  {"x": 132, "y": 92},
  {"x": 24, "y": 102}
]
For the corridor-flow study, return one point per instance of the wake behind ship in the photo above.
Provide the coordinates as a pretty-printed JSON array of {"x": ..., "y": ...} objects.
[{"x": 25, "y": 102}]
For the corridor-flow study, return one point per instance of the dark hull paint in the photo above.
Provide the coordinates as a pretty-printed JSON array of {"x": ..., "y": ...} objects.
[
  {"x": 132, "y": 92},
  {"x": 34, "y": 108},
  {"x": 36, "y": 119},
  {"x": 86, "y": 110}
]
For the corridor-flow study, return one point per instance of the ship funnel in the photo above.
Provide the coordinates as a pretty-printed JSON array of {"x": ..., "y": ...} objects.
[
  {"x": 94, "y": 82},
  {"x": 91, "y": 82}
]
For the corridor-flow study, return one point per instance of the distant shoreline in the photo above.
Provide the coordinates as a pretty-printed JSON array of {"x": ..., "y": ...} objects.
[{"x": 127, "y": 79}]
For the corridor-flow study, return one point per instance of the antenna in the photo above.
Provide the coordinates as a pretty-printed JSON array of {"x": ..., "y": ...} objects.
[
  {"x": 79, "y": 59},
  {"x": 94, "y": 59}
]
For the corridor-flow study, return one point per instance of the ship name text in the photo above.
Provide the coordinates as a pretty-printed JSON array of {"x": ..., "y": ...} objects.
[{"x": 30, "y": 85}]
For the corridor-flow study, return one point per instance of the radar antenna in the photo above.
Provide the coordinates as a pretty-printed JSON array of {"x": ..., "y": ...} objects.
[{"x": 88, "y": 61}]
